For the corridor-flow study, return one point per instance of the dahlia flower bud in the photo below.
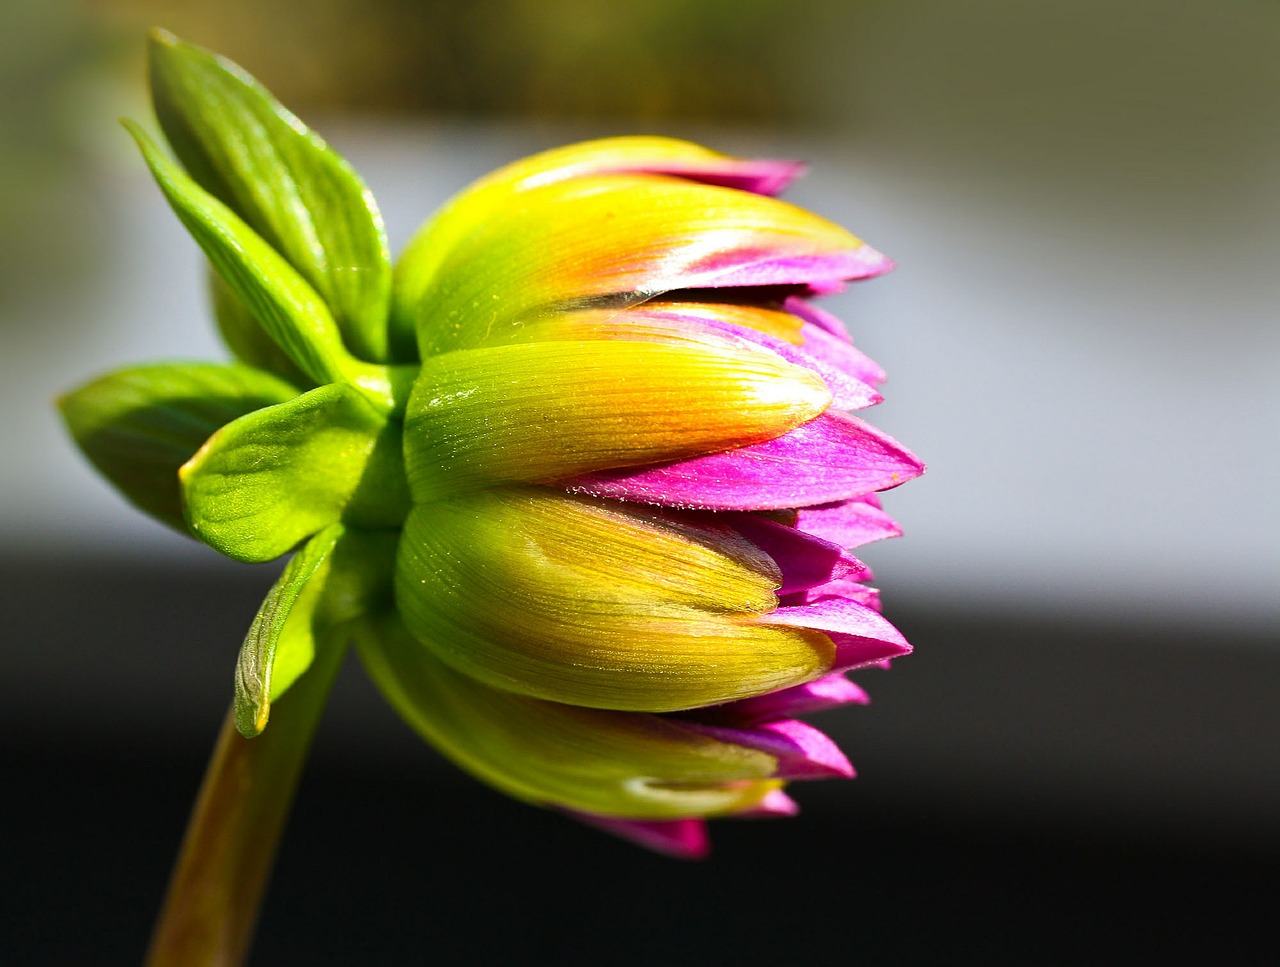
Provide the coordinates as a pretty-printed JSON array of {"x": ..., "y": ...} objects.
[{"x": 580, "y": 476}]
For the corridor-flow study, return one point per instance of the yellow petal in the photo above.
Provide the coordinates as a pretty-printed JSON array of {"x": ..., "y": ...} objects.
[
  {"x": 621, "y": 237},
  {"x": 597, "y": 604},
  {"x": 488, "y": 196},
  {"x": 549, "y": 411},
  {"x": 623, "y": 764}
]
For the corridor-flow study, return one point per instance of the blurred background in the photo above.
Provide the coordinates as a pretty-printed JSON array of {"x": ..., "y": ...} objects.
[{"x": 1081, "y": 762}]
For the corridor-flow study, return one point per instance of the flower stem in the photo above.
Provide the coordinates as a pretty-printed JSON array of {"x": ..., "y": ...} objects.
[{"x": 230, "y": 845}]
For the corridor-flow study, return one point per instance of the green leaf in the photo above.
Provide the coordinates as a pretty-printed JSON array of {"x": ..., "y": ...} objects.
[
  {"x": 300, "y": 195},
  {"x": 272, "y": 478},
  {"x": 138, "y": 426},
  {"x": 285, "y": 303},
  {"x": 244, "y": 335},
  {"x": 339, "y": 575}
]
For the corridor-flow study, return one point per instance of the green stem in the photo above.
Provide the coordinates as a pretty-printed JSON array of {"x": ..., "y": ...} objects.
[{"x": 221, "y": 873}]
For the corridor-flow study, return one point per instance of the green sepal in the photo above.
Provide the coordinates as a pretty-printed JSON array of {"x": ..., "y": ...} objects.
[
  {"x": 300, "y": 195},
  {"x": 291, "y": 311},
  {"x": 245, "y": 337},
  {"x": 256, "y": 662},
  {"x": 336, "y": 577},
  {"x": 139, "y": 425},
  {"x": 270, "y": 479}
]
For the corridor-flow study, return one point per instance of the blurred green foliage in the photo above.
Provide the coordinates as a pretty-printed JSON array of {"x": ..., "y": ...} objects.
[
  {"x": 643, "y": 59},
  {"x": 46, "y": 48},
  {"x": 69, "y": 67},
  {"x": 1160, "y": 104}
]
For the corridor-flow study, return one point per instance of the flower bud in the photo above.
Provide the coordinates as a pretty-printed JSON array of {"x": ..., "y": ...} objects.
[{"x": 580, "y": 474}]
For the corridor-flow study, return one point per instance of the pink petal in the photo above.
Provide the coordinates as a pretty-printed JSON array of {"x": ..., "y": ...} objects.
[
  {"x": 819, "y": 272},
  {"x": 862, "y": 637},
  {"x": 848, "y": 391},
  {"x": 827, "y": 692},
  {"x": 834, "y": 457},
  {"x": 820, "y": 318},
  {"x": 802, "y": 751},
  {"x": 775, "y": 804},
  {"x": 762, "y": 176},
  {"x": 826, "y": 336},
  {"x": 684, "y": 839},
  {"x": 841, "y": 354},
  {"x": 849, "y": 523},
  {"x": 854, "y": 651},
  {"x": 805, "y": 561},
  {"x": 852, "y": 590}
]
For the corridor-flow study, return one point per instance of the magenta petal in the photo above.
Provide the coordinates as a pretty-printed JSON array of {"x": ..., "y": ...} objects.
[
  {"x": 827, "y": 692},
  {"x": 805, "y": 561},
  {"x": 834, "y": 457},
  {"x": 854, "y": 651},
  {"x": 862, "y": 637},
  {"x": 763, "y": 176},
  {"x": 802, "y": 751},
  {"x": 684, "y": 839},
  {"x": 808, "y": 312},
  {"x": 841, "y": 354},
  {"x": 848, "y": 391},
  {"x": 849, "y": 523},
  {"x": 775, "y": 804},
  {"x": 858, "y": 593},
  {"x": 819, "y": 272},
  {"x": 826, "y": 337}
]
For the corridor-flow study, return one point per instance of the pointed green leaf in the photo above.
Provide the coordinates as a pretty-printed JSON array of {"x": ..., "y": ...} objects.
[
  {"x": 244, "y": 335},
  {"x": 339, "y": 575},
  {"x": 138, "y": 426},
  {"x": 285, "y": 303},
  {"x": 272, "y": 478},
  {"x": 300, "y": 195}
]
